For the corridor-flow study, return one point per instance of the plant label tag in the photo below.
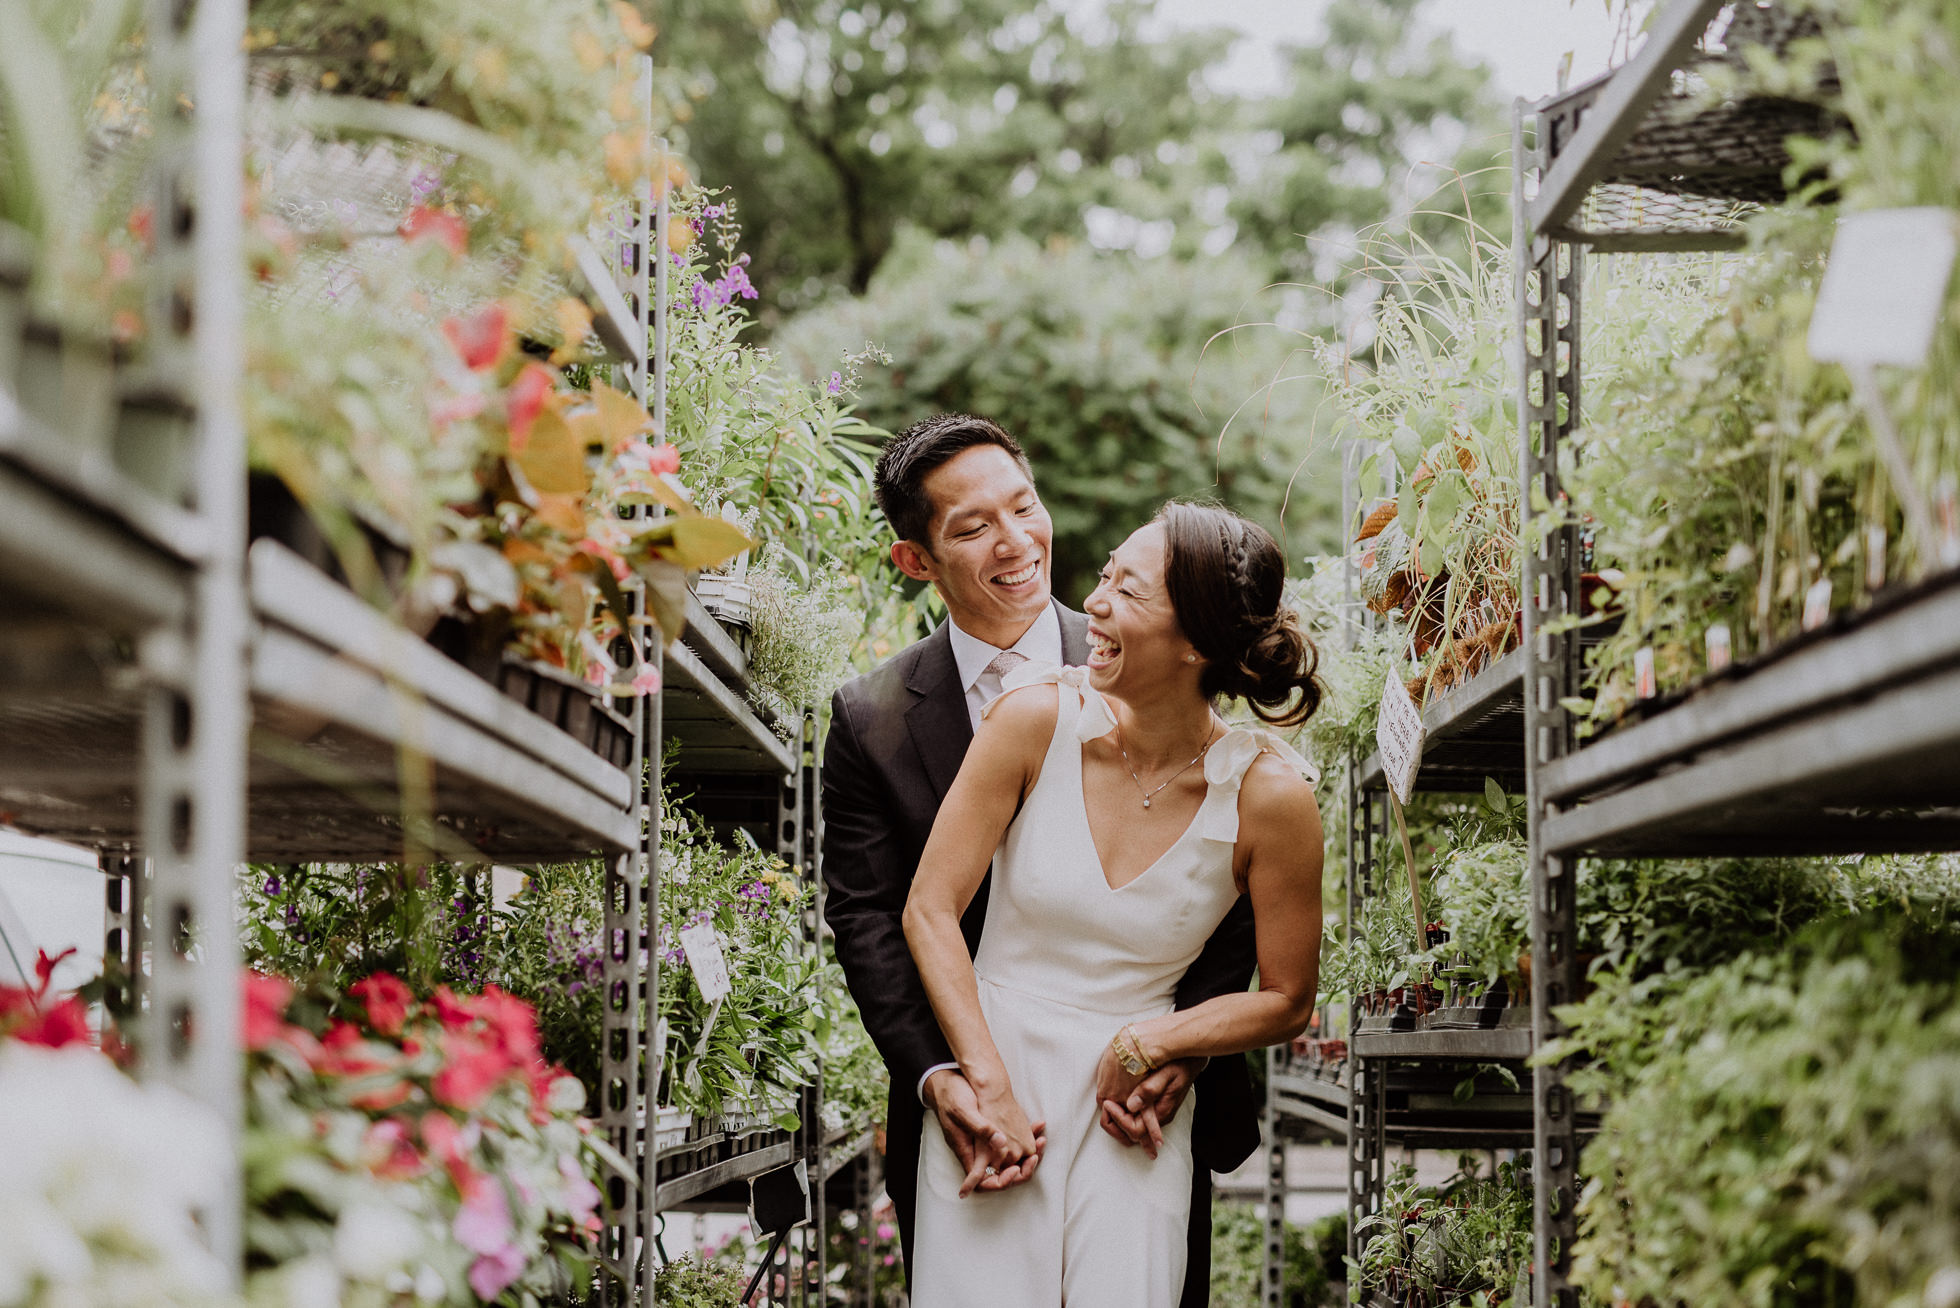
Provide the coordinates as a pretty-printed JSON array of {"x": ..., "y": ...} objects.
[
  {"x": 1817, "y": 604},
  {"x": 1884, "y": 287},
  {"x": 1718, "y": 647},
  {"x": 704, "y": 958},
  {"x": 1398, "y": 735},
  {"x": 657, "y": 1057},
  {"x": 1644, "y": 684},
  {"x": 1874, "y": 557}
]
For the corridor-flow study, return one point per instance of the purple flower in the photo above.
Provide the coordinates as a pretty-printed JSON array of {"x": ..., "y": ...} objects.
[
  {"x": 836, "y": 383},
  {"x": 272, "y": 887}
]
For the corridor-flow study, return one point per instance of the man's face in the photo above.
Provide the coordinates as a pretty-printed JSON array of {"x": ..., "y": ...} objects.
[{"x": 987, "y": 544}]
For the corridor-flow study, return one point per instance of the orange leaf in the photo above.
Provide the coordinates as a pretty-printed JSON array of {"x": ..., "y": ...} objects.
[{"x": 562, "y": 513}]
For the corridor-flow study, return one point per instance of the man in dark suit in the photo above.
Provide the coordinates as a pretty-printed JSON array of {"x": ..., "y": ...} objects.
[{"x": 961, "y": 500}]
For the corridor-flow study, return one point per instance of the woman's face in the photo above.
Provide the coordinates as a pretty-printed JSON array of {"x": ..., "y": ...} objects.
[{"x": 1134, "y": 639}]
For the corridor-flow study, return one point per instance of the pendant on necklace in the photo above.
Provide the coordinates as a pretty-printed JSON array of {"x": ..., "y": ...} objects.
[{"x": 1146, "y": 803}]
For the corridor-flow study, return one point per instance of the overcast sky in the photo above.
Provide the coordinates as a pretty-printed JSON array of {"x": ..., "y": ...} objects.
[{"x": 1523, "y": 41}]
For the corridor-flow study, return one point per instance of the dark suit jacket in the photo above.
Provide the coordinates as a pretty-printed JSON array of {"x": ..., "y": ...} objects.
[{"x": 897, "y": 737}]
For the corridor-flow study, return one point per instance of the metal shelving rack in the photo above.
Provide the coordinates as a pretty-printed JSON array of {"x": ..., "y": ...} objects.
[
  {"x": 182, "y": 704},
  {"x": 1843, "y": 740}
]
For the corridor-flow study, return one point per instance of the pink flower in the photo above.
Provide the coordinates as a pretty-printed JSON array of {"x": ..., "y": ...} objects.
[
  {"x": 581, "y": 1196},
  {"x": 483, "y": 1227},
  {"x": 479, "y": 339},
  {"x": 886, "y": 1231},
  {"x": 527, "y": 396},
  {"x": 426, "y": 223},
  {"x": 456, "y": 408},
  {"x": 621, "y": 570},
  {"x": 595, "y": 674},
  {"x": 493, "y": 1272},
  {"x": 647, "y": 680},
  {"x": 664, "y": 459}
]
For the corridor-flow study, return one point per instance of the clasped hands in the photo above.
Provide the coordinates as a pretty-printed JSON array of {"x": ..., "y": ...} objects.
[{"x": 998, "y": 1147}]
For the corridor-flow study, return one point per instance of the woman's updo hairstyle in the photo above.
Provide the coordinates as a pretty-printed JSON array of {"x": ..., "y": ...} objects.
[{"x": 1224, "y": 576}]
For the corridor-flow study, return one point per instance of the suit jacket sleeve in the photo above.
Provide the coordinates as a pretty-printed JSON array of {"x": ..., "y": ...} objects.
[{"x": 867, "y": 876}]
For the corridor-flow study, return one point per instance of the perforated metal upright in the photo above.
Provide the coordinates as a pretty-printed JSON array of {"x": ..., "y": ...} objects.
[
  {"x": 1548, "y": 281},
  {"x": 196, "y": 715},
  {"x": 1367, "y": 1102},
  {"x": 627, "y": 1072}
]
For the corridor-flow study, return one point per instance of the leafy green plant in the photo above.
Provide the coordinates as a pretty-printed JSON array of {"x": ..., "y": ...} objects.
[
  {"x": 1466, "y": 1241},
  {"x": 1238, "y": 1258},
  {"x": 1781, "y": 1129},
  {"x": 802, "y": 634},
  {"x": 753, "y": 1050},
  {"x": 685, "y": 1283}
]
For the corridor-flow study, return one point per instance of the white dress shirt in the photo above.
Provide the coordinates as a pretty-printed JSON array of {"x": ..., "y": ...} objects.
[{"x": 1041, "y": 642}]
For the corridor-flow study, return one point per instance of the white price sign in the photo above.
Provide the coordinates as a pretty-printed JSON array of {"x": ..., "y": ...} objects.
[
  {"x": 704, "y": 958},
  {"x": 1884, "y": 287},
  {"x": 1398, "y": 735}
]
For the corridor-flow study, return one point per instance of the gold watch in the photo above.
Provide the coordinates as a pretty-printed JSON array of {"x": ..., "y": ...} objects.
[{"x": 1131, "y": 1055}]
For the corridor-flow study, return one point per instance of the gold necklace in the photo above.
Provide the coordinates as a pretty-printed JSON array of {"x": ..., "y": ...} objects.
[{"x": 1209, "y": 729}]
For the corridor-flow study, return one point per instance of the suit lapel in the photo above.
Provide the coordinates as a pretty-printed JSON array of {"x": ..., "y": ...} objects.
[
  {"x": 937, "y": 719},
  {"x": 1075, "y": 635}
]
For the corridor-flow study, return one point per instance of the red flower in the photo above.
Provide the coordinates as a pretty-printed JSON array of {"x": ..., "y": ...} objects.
[
  {"x": 64, "y": 1024},
  {"x": 526, "y": 401},
  {"x": 264, "y": 1009},
  {"x": 479, "y": 339},
  {"x": 388, "y": 1001},
  {"x": 424, "y": 222},
  {"x": 665, "y": 459},
  {"x": 471, "y": 1070},
  {"x": 454, "y": 1011}
]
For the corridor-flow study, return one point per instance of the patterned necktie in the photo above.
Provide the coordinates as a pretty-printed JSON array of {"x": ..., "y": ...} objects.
[{"x": 992, "y": 675}]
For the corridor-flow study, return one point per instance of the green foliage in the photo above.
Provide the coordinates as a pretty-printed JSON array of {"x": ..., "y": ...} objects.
[
  {"x": 754, "y": 1049},
  {"x": 684, "y": 1283},
  {"x": 1734, "y": 473},
  {"x": 840, "y": 127},
  {"x": 802, "y": 637},
  {"x": 1238, "y": 1258},
  {"x": 1101, "y": 366},
  {"x": 1782, "y": 1129},
  {"x": 856, "y": 1084},
  {"x": 1467, "y": 1241}
]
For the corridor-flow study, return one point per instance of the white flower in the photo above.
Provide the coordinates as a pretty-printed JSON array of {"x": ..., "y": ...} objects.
[
  {"x": 374, "y": 1238},
  {"x": 102, "y": 1183}
]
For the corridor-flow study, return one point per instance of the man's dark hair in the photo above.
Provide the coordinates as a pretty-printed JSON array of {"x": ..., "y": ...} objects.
[{"x": 903, "y": 465}]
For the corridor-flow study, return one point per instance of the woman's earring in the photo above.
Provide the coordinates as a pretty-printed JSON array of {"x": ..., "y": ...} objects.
[{"x": 1190, "y": 658}]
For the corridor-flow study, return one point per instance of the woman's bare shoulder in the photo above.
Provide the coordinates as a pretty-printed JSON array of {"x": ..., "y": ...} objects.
[
  {"x": 1023, "y": 715},
  {"x": 1275, "y": 797}
]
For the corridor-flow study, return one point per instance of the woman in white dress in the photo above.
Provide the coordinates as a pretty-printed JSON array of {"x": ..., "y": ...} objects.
[{"x": 1121, "y": 818}]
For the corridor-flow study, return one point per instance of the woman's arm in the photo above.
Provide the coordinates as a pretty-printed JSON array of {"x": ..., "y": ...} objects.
[
  {"x": 1000, "y": 767},
  {"x": 1280, "y": 839}
]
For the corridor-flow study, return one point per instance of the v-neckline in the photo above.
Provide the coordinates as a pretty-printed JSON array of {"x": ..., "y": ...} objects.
[{"x": 1089, "y": 830}]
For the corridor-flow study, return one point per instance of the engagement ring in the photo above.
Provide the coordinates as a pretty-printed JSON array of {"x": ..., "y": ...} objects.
[{"x": 993, "y": 1171}]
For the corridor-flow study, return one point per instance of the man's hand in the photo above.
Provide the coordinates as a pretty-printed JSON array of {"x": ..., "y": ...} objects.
[
  {"x": 1136, "y": 1110},
  {"x": 985, "y": 1153}
]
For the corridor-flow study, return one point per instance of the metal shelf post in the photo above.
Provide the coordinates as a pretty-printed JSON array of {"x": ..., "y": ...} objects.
[{"x": 1548, "y": 285}]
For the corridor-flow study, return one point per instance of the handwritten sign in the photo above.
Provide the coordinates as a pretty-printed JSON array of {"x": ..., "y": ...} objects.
[
  {"x": 1398, "y": 735},
  {"x": 1884, "y": 287},
  {"x": 704, "y": 958}
]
